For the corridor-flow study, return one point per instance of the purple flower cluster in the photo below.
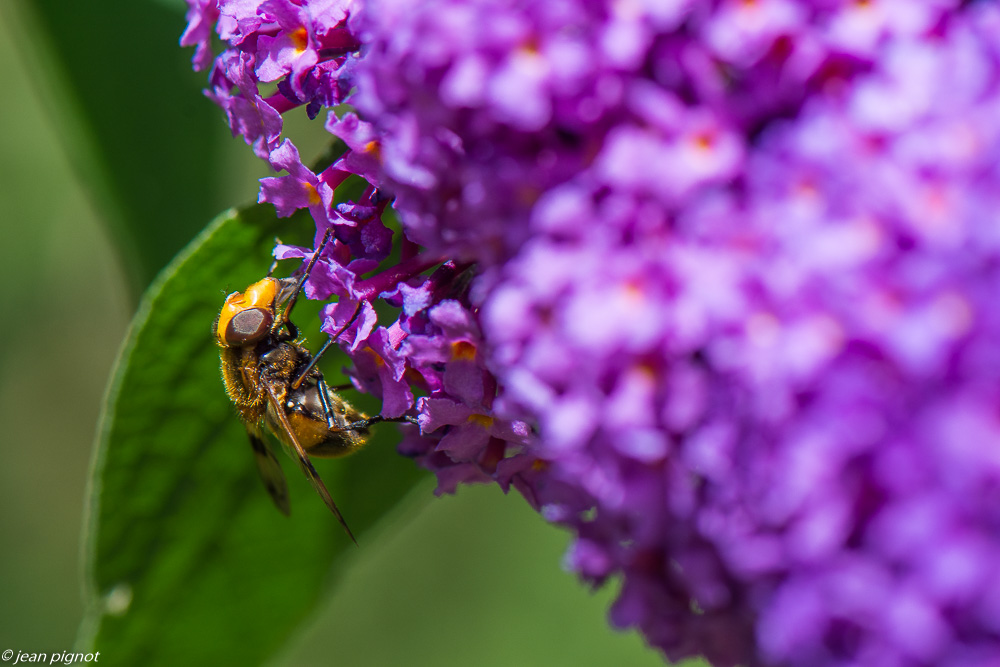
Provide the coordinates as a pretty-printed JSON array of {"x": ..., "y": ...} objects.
[
  {"x": 737, "y": 265},
  {"x": 306, "y": 52}
]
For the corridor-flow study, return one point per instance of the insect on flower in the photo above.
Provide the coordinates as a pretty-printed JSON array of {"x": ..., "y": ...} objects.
[{"x": 275, "y": 385}]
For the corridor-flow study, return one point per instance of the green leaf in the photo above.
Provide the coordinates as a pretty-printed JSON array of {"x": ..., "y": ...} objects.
[{"x": 187, "y": 556}]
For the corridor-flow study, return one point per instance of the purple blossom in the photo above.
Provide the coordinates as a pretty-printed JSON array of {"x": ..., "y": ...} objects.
[
  {"x": 201, "y": 18},
  {"x": 379, "y": 369},
  {"x": 301, "y": 188},
  {"x": 304, "y": 32},
  {"x": 363, "y": 157},
  {"x": 714, "y": 290},
  {"x": 249, "y": 114}
]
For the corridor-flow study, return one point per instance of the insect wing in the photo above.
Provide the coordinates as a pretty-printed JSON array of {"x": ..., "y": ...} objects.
[
  {"x": 270, "y": 472},
  {"x": 300, "y": 455}
]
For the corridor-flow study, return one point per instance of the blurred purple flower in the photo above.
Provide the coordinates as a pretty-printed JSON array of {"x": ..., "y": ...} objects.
[{"x": 731, "y": 316}]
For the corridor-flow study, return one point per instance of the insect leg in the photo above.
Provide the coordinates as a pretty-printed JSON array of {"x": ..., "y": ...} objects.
[
  {"x": 293, "y": 331},
  {"x": 305, "y": 275},
  {"x": 322, "y": 350},
  {"x": 365, "y": 423},
  {"x": 341, "y": 387},
  {"x": 322, "y": 387}
]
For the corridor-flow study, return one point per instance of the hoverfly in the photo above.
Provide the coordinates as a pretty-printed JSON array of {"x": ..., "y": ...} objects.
[{"x": 275, "y": 385}]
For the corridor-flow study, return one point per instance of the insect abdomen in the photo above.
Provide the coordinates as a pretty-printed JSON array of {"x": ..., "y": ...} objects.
[{"x": 307, "y": 414}]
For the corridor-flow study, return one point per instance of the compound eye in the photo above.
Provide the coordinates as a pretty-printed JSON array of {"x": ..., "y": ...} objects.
[{"x": 248, "y": 326}]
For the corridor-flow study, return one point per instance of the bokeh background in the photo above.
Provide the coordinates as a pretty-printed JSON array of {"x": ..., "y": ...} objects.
[{"x": 111, "y": 161}]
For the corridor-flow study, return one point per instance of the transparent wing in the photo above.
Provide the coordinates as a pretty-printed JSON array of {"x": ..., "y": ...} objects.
[
  {"x": 300, "y": 455},
  {"x": 270, "y": 472}
]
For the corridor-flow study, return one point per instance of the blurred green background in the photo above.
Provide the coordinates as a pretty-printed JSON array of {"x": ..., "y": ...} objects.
[{"x": 112, "y": 160}]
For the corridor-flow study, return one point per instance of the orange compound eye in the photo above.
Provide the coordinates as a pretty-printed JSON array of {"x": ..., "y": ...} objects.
[{"x": 247, "y": 317}]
